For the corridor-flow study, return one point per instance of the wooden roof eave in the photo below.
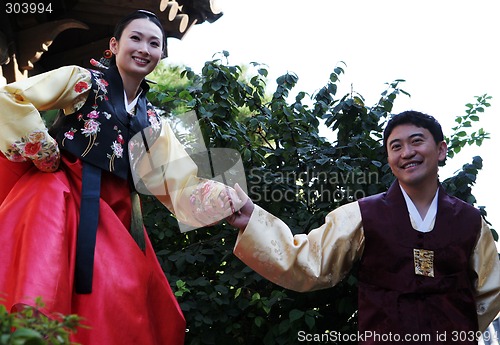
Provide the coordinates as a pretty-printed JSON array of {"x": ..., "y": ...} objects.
[{"x": 35, "y": 41}]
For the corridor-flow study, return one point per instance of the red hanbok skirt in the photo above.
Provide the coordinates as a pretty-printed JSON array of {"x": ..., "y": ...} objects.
[{"x": 131, "y": 301}]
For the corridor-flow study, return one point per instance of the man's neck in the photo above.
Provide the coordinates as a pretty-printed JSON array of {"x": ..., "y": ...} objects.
[{"x": 421, "y": 197}]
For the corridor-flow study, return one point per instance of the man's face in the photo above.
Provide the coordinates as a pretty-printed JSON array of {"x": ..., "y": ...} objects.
[{"x": 413, "y": 156}]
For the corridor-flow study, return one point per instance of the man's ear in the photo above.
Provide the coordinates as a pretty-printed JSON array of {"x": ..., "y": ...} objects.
[{"x": 442, "y": 150}]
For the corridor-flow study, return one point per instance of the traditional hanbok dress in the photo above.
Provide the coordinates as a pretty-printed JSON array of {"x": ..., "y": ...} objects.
[
  {"x": 439, "y": 283},
  {"x": 78, "y": 183}
]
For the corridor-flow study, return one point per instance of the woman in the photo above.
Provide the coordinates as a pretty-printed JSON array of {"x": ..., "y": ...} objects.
[{"x": 70, "y": 225}]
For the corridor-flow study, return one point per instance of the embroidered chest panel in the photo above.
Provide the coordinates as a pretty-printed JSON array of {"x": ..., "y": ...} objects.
[{"x": 99, "y": 132}]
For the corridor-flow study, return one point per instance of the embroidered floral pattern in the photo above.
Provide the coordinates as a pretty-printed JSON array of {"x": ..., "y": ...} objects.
[
  {"x": 70, "y": 135},
  {"x": 94, "y": 133},
  {"x": 207, "y": 202},
  {"x": 94, "y": 114},
  {"x": 37, "y": 146},
  {"x": 90, "y": 129},
  {"x": 81, "y": 87},
  {"x": 153, "y": 120},
  {"x": 91, "y": 126},
  {"x": 117, "y": 147},
  {"x": 102, "y": 85}
]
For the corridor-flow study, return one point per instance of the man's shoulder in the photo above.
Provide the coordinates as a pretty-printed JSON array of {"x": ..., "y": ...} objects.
[
  {"x": 372, "y": 198},
  {"x": 457, "y": 202}
]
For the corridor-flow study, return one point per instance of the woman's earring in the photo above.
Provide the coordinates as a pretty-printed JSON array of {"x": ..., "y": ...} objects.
[
  {"x": 105, "y": 61},
  {"x": 106, "y": 58}
]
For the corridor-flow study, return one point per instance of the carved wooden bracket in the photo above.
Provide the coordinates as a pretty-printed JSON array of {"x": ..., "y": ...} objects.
[
  {"x": 33, "y": 42},
  {"x": 182, "y": 14}
]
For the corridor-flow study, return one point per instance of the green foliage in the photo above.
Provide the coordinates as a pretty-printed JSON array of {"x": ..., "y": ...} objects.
[
  {"x": 30, "y": 327},
  {"x": 460, "y": 136},
  {"x": 293, "y": 172}
]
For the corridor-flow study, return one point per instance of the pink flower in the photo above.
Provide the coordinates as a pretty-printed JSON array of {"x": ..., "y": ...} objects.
[
  {"x": 16, "y": 157},
  {"x": 91, "y": 127},
  {"x": 153, "y": 120},
  {"x": 81, "y": 86},
  {"x": 31, "y": 149},
  {"x": 120, "y": 139},
  {"x": 50, "y": 163},
  {"x": 94, "y": 114},
  {"x": 101, "y": 83},
  {"x": 117, "y": 149},
  {"x": 69, "y": 135}
]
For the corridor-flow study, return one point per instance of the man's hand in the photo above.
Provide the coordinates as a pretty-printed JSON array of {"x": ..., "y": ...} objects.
[{"x": 241, "y": 217}]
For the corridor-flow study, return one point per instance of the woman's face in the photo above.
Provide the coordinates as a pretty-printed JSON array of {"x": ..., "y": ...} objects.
[{"x": 139, "y": 49}]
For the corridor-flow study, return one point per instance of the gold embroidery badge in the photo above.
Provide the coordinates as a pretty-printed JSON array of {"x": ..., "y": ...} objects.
[{"x": 424, "y": 262}]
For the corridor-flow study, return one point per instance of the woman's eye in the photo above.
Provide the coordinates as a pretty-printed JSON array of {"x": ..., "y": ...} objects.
[{"x": 155, "y": 44}]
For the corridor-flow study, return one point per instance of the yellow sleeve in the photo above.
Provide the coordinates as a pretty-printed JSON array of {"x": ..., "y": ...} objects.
[
  {"x": 303, "y": 262},
  {"x": 23, "y": 134},
  {"x": 487, "y": 267},
  {"x": 168, "y": 172}
]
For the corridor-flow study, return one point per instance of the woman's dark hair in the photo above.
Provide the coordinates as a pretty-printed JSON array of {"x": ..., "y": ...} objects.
[
  {"x": 140, "y": 14},
  {"x": 414, "y": 118}
]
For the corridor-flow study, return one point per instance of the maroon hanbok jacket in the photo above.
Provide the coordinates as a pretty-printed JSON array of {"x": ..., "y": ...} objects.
[{"x": 415, "y": 285}]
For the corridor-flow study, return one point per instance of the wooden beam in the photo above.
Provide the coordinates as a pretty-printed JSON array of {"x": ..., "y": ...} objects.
[
  {"x": 33, "y": 42},
  {"x": 4, "y": 50},
  {"x": 11, "y": 71},
  {"x": 174, "y": 21},
  {"x": 79, "y": 56}
]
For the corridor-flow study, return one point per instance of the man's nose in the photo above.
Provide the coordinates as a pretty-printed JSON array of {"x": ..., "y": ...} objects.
[{"x": 408, "y": 151}]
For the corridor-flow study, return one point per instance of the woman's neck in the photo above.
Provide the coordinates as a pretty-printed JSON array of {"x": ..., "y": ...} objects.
[{"x": 131, "y": 85}]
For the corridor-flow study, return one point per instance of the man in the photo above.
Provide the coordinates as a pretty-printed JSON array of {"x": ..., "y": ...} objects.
[{"x": 429, "y": 268}]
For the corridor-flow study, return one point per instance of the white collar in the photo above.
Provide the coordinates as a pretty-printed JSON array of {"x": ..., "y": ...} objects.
[
  {"x": 130, "y": 106},
  {"x": 419, "y": 224}
]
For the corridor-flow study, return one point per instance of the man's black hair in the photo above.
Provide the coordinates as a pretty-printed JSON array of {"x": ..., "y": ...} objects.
[{"x": 417, "y": 119}]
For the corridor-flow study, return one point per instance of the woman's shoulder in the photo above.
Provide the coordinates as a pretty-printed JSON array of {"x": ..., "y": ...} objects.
[{"x": 70, "y": 70}]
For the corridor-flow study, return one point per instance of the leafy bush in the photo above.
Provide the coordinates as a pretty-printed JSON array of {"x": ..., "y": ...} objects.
[
  {"x": 30, "y": 327},
  {"x": 293, "y": 172}
]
